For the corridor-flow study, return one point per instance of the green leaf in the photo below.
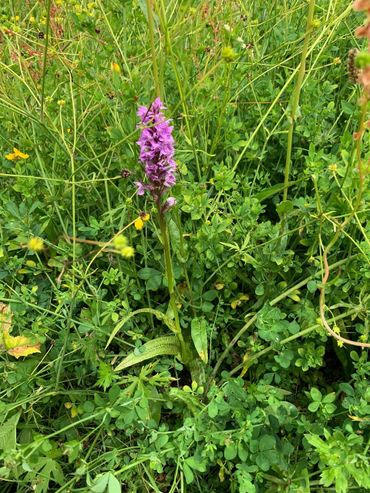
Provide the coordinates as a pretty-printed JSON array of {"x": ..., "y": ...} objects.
[
  {"x": 316, "y": 395},
  {"x": 329, "y": 398},
  {"x": 267, "y": 442},
  {"x": 263, "y": 462},
  {"x": 8, "y": 433},
  {"x": 161, "y": 316},
  {"x": 100, "y": 483},
  {"x": 167, "y": 345},
  {"x": 269, "y": 192},
  {"x": 153, "y": 277},
  {"x": 196, "y": 464},
  {"x": 312, "y": 286},
  {"x": 284, "y": 207},
  {"x": 313, "y": 406},
  {"x": 242, "y": 452},
  {"x": 212, "y": 409},
  {"x": 114, "y": 486},
  {"x": 115, "y": 134},
  {"x": 189, "y": 476},
  {"x": 45, "y": 470},
  {"x": 231, "y": 451},
  {"x": 210, "y": 295},
  {"x": 315, "y": 441},
  {"x": 330, "y": 408},
  {"x": 348, "y": 108},
  {"x": 199, "y": 336}
]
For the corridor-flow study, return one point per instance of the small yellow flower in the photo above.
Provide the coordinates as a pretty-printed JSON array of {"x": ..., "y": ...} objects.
[
  {"x": 36, "y": 244},
  {"x": 115, "y": 67},
  {"x": 127, "y": 251},
  {"x": 16, "y": 154},
  {"x": 337, "y": 61},
  {"x": 336, "y": 329},
  {"x": 333, "y": 168},
  {"x": 61, "y": 102},
  {"x": 228, "y": 54},
  {"x": 120, "y": 242},
  {"x": 139, "y": 224}
]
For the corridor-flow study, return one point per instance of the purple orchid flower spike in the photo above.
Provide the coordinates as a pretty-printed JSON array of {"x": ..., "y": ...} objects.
[{"x": 156, "y": 151}]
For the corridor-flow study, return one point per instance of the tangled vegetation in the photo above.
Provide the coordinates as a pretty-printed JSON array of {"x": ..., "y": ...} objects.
[{"x": 184, "y": 246}]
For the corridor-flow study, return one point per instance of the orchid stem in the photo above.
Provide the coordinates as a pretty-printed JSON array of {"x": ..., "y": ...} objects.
[
  {"x": 149, "y": 6},
  {"x": 187, "y": 353}
]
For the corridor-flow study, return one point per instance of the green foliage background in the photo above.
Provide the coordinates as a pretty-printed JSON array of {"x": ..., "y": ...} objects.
[{"x": 287, "y": 409}]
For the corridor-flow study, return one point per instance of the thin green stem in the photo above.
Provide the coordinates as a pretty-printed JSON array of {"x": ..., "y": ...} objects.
[
  {"x": 296, "y": 95},
  {"x": 44, "y": 62},
  {"x": 157, "y": 85},
  {"x": 171, "y": 281}
]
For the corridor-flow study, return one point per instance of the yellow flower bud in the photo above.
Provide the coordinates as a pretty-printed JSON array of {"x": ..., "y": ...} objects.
[
  {"x": 127, "y": 251},
  {"x": 120, "y": 242},
  {"x": 228, "y": 54},
  {"x": 115, "y": 67}
]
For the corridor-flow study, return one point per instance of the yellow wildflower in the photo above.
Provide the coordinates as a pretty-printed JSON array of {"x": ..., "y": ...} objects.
[
  {"x": 127, "y": 251},
  {"x": 139, "y": 224},
  {"x": 120, "y": 242},
  {"x": 16, "y": 154},
  {"x": 36, "y": 244},
  {"x": 115, "y": 67},
  {"x": 61, "y": 102},
  {"x": 336, "y": 329}
]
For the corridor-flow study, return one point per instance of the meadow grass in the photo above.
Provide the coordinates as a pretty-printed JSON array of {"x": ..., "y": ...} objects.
[{"x": 269, "y": 195}]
